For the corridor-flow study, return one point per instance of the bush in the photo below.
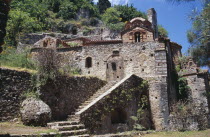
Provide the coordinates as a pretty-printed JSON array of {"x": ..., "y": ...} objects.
[{"x": 116, "y": 27}]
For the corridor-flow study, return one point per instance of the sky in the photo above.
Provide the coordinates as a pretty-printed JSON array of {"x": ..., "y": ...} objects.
[{"x": 172, "y": 16}]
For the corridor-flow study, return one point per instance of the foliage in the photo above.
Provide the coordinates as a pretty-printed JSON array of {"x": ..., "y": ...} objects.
[
  {"x": 129, "y": 12},
  {"x": 48, "y": 63},
  {"x": 111, "y": 16},
  {"x": 182, "y": 60},
  {"x": 116, "y": 27},
  {"x": 20, "y": 22},
  {"x": 10, "y": 57},
  {"x": 34, "y": 8},
  {"x": 119, "y": 98},
  {"x": 143, "y": 104},
  {"x": 183, "y": 89},
  {"x": 162, "y": 31},
  {"x": 67, "y": 10},
  {"x": 30, "y": 94},
  {"x": 103, "y": 5},
  {"x": 112, "y": 19},
  {"x": 199, "y": 36}
]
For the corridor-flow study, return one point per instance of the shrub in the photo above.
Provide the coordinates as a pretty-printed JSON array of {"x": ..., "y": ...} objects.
[{"x": 116, "y": 27}]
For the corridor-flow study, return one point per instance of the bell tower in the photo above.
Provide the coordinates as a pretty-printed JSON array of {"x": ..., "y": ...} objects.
[{"x": 152, "y": 17}]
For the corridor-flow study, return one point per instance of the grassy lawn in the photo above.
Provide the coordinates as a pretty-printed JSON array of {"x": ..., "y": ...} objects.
[
  {"x": 204, "y": 133},
  {"x": 13, "y": 128}
]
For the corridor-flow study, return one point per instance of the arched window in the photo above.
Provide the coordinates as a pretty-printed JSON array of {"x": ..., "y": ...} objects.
[
  {"x": 137, "y": 37},
  {"x": 114, "y": 66},
  {"x": 118, "y": 116},
  {"x": 88, "y": 62}
]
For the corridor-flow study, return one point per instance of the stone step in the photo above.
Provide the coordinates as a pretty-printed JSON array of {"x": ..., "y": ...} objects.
[
  {"x": 73, "y": 132},
  {"x": 62, "y": 123},
  {"x": 70, "y": 127}
]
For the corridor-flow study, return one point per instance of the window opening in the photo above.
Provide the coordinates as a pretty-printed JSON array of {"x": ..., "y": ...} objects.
[
  {"x": 116, "y": 52},
  {"x": 114, "y": 66},
  {"x": 88, "y": 62},
  {"x": 118, "y": 116},
  {"x": 137, "y": 37}
]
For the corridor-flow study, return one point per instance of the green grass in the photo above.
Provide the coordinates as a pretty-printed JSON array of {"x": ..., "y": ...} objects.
[
  {"x": 203, "y": 133},
  {"x": 11, "y": 58}
]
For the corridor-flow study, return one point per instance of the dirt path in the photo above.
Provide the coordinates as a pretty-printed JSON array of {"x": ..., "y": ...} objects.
[{"x": 13, "y": 128}]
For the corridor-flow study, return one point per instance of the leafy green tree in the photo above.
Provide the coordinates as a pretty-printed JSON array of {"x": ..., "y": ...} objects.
[
  {"x": 199, "y": 37},
  {"x": 103, "y": 5},
  {"x": 111, "y": 15},
  {"x": 199, "y": 34},
  {"x": 162, "y": 31},
  {"x": 20, "y": 22},
  {"x": 67, "y": 10},
  {"x": 129, "y": 12},
  {"x": 35, "y": 8},
  {"x": 112, "y": 19}
]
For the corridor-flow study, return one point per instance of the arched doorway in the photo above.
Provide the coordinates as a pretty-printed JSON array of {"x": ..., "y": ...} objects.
[
  {"x": 118, "y": 116},
  {"x": 137, "y": 37}
]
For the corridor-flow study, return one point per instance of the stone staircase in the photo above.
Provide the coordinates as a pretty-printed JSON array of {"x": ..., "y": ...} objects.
[
  {"x": 73, "y": 127},
  {"x": 76, "y": 116}
]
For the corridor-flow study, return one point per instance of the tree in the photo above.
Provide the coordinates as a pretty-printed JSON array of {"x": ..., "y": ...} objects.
[
  {"x": 20, "y": 22},
  {"x": 67, "y": 10},
  {"x": 199, "y": 37},
  {"x": 103, "y": 5},
  {"x": 199, "y": 34},
  {"x": 4, "y": 9},
  {"x": 162, "y": 31},
  {"x": 129, "y": 12},
  {"x": 112, "y": 19}
]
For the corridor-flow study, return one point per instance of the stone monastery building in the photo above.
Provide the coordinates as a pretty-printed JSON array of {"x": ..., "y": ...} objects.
[{"x": 140, "y": 55}]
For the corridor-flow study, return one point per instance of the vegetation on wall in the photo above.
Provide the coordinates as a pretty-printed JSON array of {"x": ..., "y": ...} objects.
[
  {"x": 162, "y": 31},
  {"x": 119, "y": 98}
]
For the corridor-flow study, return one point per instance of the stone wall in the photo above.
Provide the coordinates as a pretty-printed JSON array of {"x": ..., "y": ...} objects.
[
  {"x": 13, "y": 84},
  {"x": 122, "y": 103},
  {"x": 198, "y": 91},
  {"x": 158, "y": 97},
  {"x": 195, "y": 122},
  {"x": 63, "y": 95},
  {"x": 137, "y": 58}
]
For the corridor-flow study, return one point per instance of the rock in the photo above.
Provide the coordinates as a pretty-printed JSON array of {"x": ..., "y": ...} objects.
[{"x": 35, "y": 112}]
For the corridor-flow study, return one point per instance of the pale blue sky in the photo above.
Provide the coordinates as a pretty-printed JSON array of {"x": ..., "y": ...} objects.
[{"x": 173, "y": 17}]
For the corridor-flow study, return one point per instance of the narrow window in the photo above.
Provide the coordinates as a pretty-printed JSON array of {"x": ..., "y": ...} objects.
[
  {"x": 137, "y": 37},
  {"x": 114, "y": 66},
  {"x": 88, "y": 62}
]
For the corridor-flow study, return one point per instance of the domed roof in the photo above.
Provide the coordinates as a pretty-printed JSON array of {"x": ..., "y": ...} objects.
[{"x": 138, "y": 18}]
